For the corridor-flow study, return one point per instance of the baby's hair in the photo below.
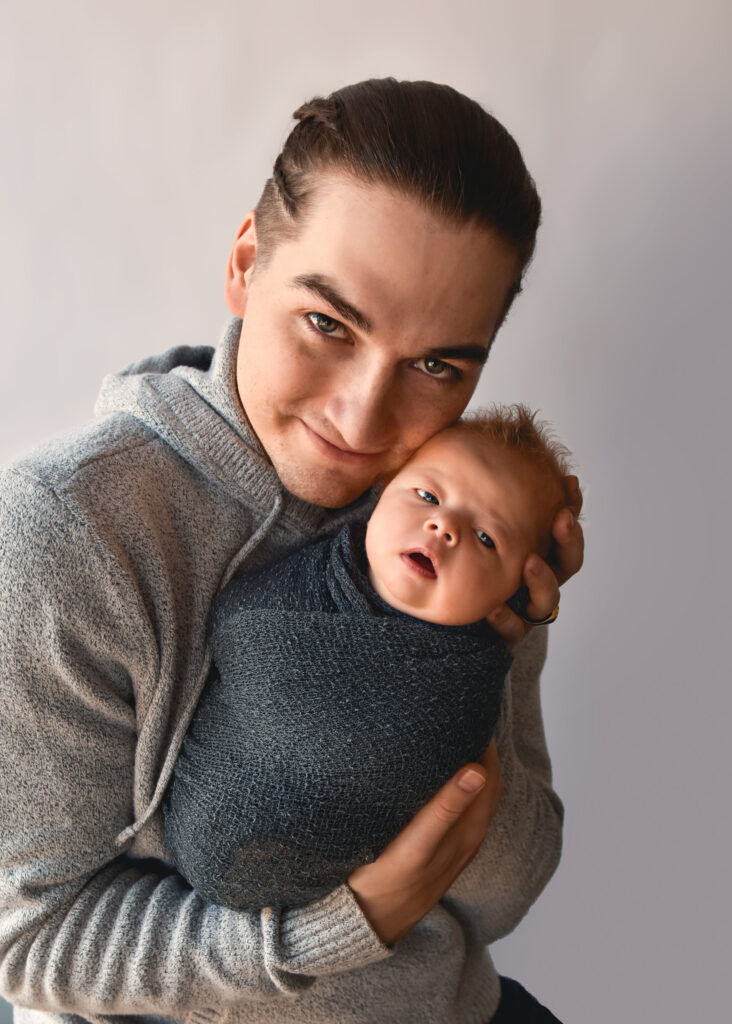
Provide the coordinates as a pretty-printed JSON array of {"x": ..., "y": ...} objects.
[{"x": 518, "y": 429}]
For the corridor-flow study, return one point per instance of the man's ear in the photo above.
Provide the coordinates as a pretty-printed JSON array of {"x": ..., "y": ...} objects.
[{"x": 240, "y": 266}]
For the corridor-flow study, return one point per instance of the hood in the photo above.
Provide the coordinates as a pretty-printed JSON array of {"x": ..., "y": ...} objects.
[{"x": 189, "y": 398}]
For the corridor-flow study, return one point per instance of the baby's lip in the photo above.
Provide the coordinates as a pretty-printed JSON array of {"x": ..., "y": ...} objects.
[{"x": 422, "y": 561}]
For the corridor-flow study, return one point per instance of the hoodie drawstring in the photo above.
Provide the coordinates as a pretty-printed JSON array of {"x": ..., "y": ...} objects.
[{"x": 177, "y": 739}]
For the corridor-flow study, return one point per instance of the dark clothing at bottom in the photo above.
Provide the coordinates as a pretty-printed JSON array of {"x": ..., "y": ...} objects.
[{"x": 517, "y": 1006}]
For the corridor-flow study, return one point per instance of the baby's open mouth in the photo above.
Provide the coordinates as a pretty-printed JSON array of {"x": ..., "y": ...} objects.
[{"x": 420, "y": 563}]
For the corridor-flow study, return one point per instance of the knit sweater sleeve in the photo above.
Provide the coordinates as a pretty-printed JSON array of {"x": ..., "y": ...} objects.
[
  {"x": 84, "y": 928},
  {"x": 523, "y": 845}
]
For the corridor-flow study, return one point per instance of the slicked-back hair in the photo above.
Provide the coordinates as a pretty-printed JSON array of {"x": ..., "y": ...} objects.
[{"x": 427, "y": 141}]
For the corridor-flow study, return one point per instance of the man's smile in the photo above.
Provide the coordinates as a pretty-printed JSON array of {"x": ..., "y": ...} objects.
[{"x": 336, "y": 451}]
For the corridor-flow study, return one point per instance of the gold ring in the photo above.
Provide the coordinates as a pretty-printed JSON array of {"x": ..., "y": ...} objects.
[{"x": 552, "y": 617}]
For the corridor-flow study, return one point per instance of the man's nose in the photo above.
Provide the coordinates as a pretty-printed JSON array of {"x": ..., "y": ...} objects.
[
  {"x": 444, "y": 526},
  {"x": 363, "y": 409}
]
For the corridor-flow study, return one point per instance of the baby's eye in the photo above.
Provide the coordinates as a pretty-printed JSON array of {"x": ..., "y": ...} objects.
[
  {"x": 484, "y": 538},
  {"x": 427, "y": 496}
]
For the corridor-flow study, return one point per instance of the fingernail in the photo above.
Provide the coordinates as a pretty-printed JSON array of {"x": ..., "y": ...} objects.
[
  {"x": 471, "y": 781},
  {"x": 534, "y": 566}
]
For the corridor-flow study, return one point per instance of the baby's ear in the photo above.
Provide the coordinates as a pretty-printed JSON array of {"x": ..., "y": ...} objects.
[{"x": 520, "y": 600}]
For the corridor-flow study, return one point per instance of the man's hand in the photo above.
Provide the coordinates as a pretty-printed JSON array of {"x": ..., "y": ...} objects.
[
  {"x": 419, "y": 866},
  {"x": 544, "y": 580}
]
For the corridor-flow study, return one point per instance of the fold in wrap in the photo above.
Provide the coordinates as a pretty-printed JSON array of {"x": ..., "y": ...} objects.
[{"x": 327, "y": 721}]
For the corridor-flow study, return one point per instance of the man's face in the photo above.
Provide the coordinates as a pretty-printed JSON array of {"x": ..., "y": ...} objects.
[
  {"x": 363, "y": 336},
  {"x": 448, "y": 540}
]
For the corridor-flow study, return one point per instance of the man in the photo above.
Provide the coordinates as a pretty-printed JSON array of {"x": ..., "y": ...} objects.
[{"x": 367, "y": 287}]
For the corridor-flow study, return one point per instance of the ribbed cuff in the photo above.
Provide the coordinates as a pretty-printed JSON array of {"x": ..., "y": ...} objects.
[{"x": 330, "y": 935}]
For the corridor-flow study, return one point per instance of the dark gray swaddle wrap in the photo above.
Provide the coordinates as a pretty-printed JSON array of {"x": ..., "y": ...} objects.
[{"x": 327, "y": 721}]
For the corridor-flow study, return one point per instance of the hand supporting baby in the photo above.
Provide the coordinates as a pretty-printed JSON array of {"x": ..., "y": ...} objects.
[
  {"x": 419, "y": 866},
  {"x": 543, "y": 580}
]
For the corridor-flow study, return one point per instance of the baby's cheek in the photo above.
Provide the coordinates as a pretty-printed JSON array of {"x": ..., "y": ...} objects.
[
  {"x": 487, "y": 592},
  {"x": 377, "y": 535},
  {"x": 465, "y": 597}
]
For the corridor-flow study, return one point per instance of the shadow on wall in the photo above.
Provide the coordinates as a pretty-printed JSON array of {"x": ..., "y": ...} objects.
[{"x": 6, "y": 1012}]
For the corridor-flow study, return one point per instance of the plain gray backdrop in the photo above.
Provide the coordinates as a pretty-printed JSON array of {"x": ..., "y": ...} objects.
[{"x": 135, "y": 137}]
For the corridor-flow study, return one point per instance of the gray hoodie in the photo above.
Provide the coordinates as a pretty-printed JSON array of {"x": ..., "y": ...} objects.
[{"x": 114, "y": 540}]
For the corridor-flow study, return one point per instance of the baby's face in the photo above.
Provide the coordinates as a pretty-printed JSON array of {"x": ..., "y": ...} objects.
[{"x": 449, "y": 537}]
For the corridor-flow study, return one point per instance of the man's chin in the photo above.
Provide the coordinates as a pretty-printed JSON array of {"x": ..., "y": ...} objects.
[{"x": 322, "y": 488}]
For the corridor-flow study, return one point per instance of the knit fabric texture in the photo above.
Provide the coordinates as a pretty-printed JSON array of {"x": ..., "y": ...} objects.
[{"x": 328, "y": 720}]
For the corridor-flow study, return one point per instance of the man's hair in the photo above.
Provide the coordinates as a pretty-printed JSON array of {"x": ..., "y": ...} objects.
[
  {"x": 425, "y": 140},
  {"x": 518, "y": 429}
]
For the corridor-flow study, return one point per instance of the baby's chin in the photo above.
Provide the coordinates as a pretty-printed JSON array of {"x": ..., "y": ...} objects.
[
  {"x": 433, "y": 608},
  {"x": 439, "y": 616},
  {"x": 427, "y": 615}
]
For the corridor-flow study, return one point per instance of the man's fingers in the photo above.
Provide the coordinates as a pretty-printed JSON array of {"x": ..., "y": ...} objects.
[
  {"x": 569, "y": 543},
  {"x": 543, "y": 581},
  {"x": 543, "y": 599},
  {"x": 431, "y": 823},
  {"x": 477, "y": 817},
  {"x": 421, "y": 863},
  {"x": 543, "y": 588},
  {"x": 573, "y": 494},
  {"x": 508, "y": 625}
]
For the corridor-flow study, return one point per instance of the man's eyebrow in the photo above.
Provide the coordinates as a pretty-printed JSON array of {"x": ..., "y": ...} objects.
[
  {"x": 473, "y": 353},
  {"x": 329, "y": 293}
]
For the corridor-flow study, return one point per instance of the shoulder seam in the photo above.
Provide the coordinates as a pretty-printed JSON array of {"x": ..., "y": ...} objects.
[
  {"x": 82, "y": 522},
  {"x": 99, "y": 457}
]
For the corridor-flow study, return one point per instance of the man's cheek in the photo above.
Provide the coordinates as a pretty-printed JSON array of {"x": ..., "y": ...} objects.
[{"x": 300, "y": 381}]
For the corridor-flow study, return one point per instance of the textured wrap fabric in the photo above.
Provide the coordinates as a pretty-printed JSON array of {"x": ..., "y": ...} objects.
[{"x": 327, "y": 721}]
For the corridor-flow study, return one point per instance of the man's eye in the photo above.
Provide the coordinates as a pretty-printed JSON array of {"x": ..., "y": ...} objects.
[
  {"x": 326, "y": 325},
  {"x": 427, "y": 496},
  {"x": 438, "y": 368},
  {"x": 484, "y": 538}
]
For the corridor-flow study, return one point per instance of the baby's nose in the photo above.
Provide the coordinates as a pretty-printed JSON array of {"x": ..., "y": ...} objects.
[{"x": 444, "y": 529}]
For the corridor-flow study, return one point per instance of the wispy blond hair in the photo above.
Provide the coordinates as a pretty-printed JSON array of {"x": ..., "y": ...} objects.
[{"x": 517, "y": 428}]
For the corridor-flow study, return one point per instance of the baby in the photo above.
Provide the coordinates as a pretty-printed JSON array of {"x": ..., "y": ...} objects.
[{"x": 354, "y": 678}]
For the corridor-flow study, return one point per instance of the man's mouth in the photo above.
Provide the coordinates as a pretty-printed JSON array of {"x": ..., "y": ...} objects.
[
  {"x": 336, "y": 451},
  {"x": 421, "y": 562}
]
